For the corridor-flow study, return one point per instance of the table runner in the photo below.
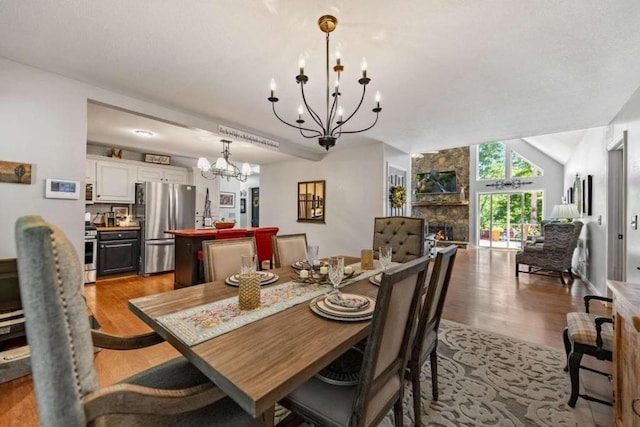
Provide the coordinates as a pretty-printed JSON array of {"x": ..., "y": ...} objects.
[{"x": 202, "y": 323}]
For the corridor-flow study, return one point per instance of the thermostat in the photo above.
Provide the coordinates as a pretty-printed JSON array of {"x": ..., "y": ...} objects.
[{"x": 61, "y": 189}]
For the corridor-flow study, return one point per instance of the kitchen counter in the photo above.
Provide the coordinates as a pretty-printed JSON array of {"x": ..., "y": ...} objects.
[
  {"x": 128, "y": 227},
  {"x": 203, "y": 232}
]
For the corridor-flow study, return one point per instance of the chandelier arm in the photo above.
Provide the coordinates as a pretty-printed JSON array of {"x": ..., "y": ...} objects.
[
  {"x": 316, "y": 135},
  {"x": 289, "y": 124},
  {"x": 315, "y": 116},
  {"x": 364, "y": 90},
  {"x": 362, "y": 130}
]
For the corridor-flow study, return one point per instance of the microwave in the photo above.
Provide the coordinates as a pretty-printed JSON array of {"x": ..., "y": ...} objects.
[{"x": 89, "y": 193}]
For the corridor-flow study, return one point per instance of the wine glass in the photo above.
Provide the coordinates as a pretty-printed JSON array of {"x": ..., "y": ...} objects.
[
  {"x": 336, "y": 272},
  {"x": 248, "y": 264},
  {"x": 385, "y": 256}
]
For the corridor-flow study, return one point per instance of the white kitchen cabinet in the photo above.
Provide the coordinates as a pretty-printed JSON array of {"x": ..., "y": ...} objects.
[
  {"x": 161, "y": 174},
  {"x": 90, "y": 174},
  {"x": 114, "y": 182}
]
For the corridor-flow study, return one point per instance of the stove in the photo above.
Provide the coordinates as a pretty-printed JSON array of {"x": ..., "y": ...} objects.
[{"x": 90, "y": 253}]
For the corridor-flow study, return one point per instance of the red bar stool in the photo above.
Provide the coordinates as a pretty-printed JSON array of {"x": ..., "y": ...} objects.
[{"x": 263, "y": 244}]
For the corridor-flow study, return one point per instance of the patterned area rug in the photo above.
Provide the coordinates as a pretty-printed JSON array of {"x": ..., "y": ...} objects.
[{"x": 485, "y": 379}]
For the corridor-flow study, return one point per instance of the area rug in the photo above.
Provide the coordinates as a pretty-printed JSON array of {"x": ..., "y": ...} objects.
[{"x": 486, "y": 379}]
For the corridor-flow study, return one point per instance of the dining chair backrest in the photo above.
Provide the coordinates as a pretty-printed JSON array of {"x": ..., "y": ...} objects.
[
  {"x": 289, "y": 248},
  {"x": 263, "y": 243},
  {"x": 433, "y": 300},
  {"x": 404, "y": 234},
  {"x": 222, "y": 258},
  {"x": 387, "y": 349},
  {"x": 57, "y": 325}
]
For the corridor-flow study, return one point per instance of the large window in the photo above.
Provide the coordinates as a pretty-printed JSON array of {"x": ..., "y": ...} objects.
[{"x": 495, "y": 161}]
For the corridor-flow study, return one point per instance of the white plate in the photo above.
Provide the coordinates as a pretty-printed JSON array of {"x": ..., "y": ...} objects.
[
  {"x": 273, "y": 279},
  {"x": 264, "y": 276},
  {"x": 333, "y": 315},
  {"x": 332, "y": 302},
  {"x": 376, "y": 279}
]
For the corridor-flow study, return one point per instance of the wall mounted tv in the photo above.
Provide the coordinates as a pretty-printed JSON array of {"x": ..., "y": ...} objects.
[{"x": 436, "y": 182}]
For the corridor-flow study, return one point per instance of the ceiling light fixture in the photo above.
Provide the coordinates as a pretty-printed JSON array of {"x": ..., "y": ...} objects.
[
  {"x": 143, "y": 133},
  {"x": 331, "y": 127},
  {"x": 223, "y": 167},
  {"x": 513, "y": 183}
]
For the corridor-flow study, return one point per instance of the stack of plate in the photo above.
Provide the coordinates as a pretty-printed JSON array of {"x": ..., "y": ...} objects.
[
  {"x": 347, "y": 307},
  {"x": 376, "y": 279},
  {"x": 266, "y": 278},
  {"x": 299, "y": 265}
]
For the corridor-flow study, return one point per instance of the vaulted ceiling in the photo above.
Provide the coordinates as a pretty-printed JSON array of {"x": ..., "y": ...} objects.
[{"x": 451, "y": 72}]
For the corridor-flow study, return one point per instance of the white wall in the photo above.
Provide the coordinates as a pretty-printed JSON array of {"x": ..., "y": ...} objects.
[
  {"x": 43, "y": 122},
  {"x": 354, "y": 177},
  {"x": 629, "y": 119},
  {"x": 550, "y": 183}
]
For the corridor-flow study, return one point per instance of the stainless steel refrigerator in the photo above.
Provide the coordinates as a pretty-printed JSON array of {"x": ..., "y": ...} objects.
[{"x": 159, "y": 207}]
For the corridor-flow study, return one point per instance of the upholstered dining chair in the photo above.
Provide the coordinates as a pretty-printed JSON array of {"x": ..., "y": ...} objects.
[
  {"x": 222, "y": 258},
  {"x": 289, "y": 248},
  {"x": 404, "y": 234},
  {"x": 555, "y": 253},
  {"x": 425, "y": 344},
  {"x": 61, "y": 344},
  {"x": 264, "y": 245},
  {"x": 589, "y": 334},
  {"x": 382, "y": 373}
]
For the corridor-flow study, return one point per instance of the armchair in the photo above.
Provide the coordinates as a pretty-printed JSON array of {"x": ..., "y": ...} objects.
[
  {"x": 589, "y": 334},
  {"x": 61, "y": 342},
  {"x": 554, "y": 253}
]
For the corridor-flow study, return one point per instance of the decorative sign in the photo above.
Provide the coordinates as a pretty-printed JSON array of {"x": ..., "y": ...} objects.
[
  {"x": 16, "y": 173},
  {"x": 157, "y": 158},
  {"x": 248, "y": 137}
]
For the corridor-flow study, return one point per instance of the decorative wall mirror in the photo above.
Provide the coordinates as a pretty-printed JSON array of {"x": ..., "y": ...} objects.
[
  {"x": 311, "y": 201},
  {"x": 577, "y": 192}
]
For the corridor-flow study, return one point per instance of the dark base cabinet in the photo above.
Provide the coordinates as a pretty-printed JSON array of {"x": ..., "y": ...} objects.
[{"x": 118, "y": 252}]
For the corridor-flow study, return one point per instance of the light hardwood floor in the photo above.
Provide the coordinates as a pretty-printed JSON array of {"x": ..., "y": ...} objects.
[{"x": 484, "y": 293}]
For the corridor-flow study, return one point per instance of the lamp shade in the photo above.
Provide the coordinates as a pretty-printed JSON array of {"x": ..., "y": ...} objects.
[{"x": 565, "y": 211}]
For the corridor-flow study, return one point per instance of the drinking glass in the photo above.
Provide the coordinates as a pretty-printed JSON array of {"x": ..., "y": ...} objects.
[
  {"x": 313, "y": 255},
  {"x": 336, "y": 272},
  {"x": 248, "y": 264},
  {"x": 385, "y": 256}
]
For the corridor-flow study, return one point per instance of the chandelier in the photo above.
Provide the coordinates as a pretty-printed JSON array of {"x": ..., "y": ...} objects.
[
  {"x": 512, "y": 183},
  {"x": 223, "y": 167},
  {"x": 330, "y": 129}
]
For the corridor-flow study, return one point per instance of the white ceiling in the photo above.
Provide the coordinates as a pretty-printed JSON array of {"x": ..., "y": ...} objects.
[{"x": 451, "y": 72}]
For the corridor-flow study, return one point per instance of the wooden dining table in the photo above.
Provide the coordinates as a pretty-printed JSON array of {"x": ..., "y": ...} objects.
[{"x": 259, "y": 363}]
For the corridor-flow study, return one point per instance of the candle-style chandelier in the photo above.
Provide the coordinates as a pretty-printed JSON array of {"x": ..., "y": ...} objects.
[
  {"x": 223, "y": 167},
  {"x": 331, "y": 126}
]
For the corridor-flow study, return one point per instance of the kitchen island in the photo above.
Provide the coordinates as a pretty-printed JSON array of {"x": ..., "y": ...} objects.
[{"x": 188, "y": 243}]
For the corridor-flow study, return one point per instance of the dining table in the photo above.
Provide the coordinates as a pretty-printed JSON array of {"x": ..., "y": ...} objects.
[{"x": 260, "y": 362}]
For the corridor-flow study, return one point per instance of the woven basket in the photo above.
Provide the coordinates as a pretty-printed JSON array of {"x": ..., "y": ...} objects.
[{"x": 249, "y": 291}]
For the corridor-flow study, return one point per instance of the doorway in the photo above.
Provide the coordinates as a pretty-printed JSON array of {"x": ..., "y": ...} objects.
[
  {"x": 616, "y": 209},
  {"x": 507, "y": 219},
  {"x": 255, "y": 207}
]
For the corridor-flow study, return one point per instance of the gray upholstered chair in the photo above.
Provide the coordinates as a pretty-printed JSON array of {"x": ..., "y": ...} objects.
[
  {"x": 61, "y": 343},
  {"x": 289, "y": 248},
  {"x": 382, "y": 373},
  {"x": 425, "y": 344},
  {"x": 554, "y": 253},
  {"x": 404, "y": 234},
  {"x": 222, "y": 258}
]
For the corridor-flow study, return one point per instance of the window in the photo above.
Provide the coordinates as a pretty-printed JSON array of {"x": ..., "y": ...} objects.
[
  {"x": 496, "y": 161},
  {"x": 523, "y": 168},
  {"x": 491, "y": 161}
]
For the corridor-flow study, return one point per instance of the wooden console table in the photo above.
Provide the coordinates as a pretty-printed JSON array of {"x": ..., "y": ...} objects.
[{"x": 626, "y": 353}]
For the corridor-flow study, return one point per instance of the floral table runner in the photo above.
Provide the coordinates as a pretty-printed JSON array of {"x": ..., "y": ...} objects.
[{"x": 202, "y": 323}]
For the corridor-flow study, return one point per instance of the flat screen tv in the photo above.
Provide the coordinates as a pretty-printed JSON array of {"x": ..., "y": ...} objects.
[{"x": 436, "y": 182}]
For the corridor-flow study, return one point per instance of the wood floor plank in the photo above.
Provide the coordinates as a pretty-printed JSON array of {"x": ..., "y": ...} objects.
[{"x": 484, "y": 293}]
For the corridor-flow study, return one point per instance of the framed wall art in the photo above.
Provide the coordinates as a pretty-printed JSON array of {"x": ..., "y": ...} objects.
[
  {"x": 157, "y": 158},
  {"x": 15, "y": 173},
  {"x": 227, "y": 200}
]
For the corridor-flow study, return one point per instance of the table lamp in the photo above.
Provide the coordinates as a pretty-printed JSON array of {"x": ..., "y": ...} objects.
[{"x": 565, "y": 211}]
